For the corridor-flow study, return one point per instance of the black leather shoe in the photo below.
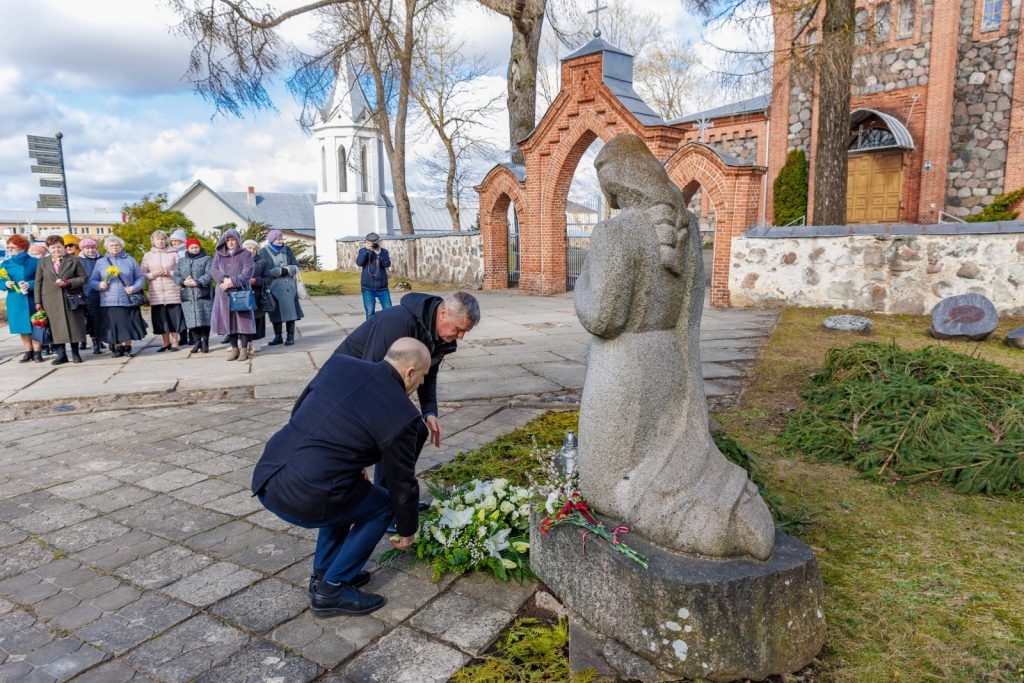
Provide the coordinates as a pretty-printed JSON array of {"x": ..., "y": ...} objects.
[
  {"x": 275, "y": 341},
  {"x": 362, "y": 578},
  {"x": 343, "y": 599},
  {"x": 27, "y": 357}
]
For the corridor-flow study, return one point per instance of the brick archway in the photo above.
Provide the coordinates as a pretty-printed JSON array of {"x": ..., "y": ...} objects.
[
  {"x": 734, "y": 189},
  {"x": 597, "y": 101},
  {"x": 504, "y": 187}
]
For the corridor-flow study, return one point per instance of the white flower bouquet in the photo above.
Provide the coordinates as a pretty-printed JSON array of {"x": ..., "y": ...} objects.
[{"x": 482, "y": 525}]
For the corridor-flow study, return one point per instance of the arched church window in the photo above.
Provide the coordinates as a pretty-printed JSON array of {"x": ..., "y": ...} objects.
[
  {"x": 364, "y": 168},
  {"x": 860, "y": 27},
  {"x": 905, "y": 25},
  {"x": 872, "y": 138},
  {"x": 323, "y": 169},
  {"x": 342, "y": 170},
  {"x": 991, "y": 15},
  {"x": 883, "y": 23}
]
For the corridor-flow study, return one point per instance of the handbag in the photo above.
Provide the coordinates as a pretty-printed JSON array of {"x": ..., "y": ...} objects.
[
  {"x": 267, "y": 301},
  {"x": 76, "y": 301},
  {"x": 135, "y": 300},
  {"x": 241, "y": 300}
]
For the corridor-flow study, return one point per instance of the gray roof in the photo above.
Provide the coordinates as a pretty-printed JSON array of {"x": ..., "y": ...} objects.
[
  {"x": 754, "y": 104},
  {"x": 282, "y": 210},
  {"x": 617, "y": 74},
  {"x": 429, "y": 214}
]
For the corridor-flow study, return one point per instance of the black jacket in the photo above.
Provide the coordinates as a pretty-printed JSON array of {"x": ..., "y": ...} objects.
[
  {"x": 352, "y": 415},
  {"x": 412, "y": 317}
]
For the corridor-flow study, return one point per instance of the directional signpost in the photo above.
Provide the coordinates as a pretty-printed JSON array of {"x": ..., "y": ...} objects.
[{"x": 49, "y": 157}]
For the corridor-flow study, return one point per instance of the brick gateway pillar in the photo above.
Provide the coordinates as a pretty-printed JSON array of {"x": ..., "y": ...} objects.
[{"x": 734, "y": 188}]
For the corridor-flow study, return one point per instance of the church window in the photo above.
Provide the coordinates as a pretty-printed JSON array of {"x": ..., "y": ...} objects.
[
  {"x": 860, "y": 27},
  {"x": 992, "y": 15},
  {"x": 323, "y": 169},
  {"x": 364, "y": 170},
  {"x": 872, "y": 138},
  {"x": 905, "y": 25},
  {"x": 342, "y": 170},
  {"x": 883, "y": 23}
]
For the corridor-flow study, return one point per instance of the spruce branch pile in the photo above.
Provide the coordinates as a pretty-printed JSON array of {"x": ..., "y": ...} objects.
[{"x": 923, "y": 414}]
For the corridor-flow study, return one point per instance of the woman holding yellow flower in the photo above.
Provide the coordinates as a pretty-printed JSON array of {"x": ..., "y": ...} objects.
[
  {"x": 18, "y": 278},
  {"x": 117, "y": 275}
]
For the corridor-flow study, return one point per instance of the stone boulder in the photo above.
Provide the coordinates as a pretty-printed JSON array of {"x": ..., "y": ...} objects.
[
  {"x": 857, "y": 324},
  {"x": 1015, "y": 338},
  {"x": 970, "y": 317}
]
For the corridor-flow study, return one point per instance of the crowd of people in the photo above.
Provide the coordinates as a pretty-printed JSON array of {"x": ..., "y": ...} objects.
[{"x": 64, "y": 294}]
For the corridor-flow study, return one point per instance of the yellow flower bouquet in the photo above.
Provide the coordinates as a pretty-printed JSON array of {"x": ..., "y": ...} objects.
[{"x": 112, "y": 272}]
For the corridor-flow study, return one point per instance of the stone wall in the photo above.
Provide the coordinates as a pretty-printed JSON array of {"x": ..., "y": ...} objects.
[
  {"x": 446, "y": 258},
  {"x": 889, "y": 269},
  {"x": 983, "y": 93}
]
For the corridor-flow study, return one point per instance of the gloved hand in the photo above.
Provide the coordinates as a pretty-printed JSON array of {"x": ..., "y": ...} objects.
[
  {"x": 293, "y": 270},
  {"x": 275, "y": 272}
]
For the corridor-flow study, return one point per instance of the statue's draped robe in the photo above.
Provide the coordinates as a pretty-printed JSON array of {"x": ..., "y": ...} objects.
[{"x": 646, "y": 456}]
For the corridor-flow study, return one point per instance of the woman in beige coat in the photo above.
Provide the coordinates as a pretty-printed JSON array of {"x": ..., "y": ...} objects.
[{"x": 158, "y": 267}]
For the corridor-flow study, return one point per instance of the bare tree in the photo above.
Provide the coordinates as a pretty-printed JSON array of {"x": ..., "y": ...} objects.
[
  {"x": 444, "y": 87},
  {"x": 238, "y": 50},
  {"x": 830, "y": 58}
]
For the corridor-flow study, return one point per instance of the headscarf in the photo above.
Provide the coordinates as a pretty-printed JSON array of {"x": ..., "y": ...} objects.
[{"x": 222, "y": 243}]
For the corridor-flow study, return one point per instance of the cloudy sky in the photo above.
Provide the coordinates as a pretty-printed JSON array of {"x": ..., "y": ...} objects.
[{"x": 109, "y": 75}]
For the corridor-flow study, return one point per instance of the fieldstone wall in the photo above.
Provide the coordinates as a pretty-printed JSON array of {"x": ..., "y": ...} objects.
[
  {"x": 983, "y": 95},
  {"x": 889, "y": 269},
  {"x": 898, "y": 62},
  {"x": 448, "y": 258},
  {"x": 743, "y": 147}
]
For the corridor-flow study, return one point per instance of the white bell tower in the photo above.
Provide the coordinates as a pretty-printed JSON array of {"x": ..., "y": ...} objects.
[{"x": 354, "y": 177}]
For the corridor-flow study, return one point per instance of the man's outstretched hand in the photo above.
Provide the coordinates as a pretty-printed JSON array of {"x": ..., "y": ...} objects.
[
  {"x": 403, "y": 542},
  {"x": 434, "y": 425}
]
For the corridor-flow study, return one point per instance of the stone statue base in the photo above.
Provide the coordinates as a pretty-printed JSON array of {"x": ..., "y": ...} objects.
[{"x": 685, "y": 617}]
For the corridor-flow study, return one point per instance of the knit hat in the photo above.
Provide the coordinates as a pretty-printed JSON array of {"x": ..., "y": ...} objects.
[
  {"x": 87, "y": 242},
  {"x": 250, "y": 243},
  {"x": 178, "y": 234},
  {"x": 70, "y": 239},
  {"x": 372, "y": 237},
  {"x": 190, "y": 241},
  {"x": 274, "y": 235}
]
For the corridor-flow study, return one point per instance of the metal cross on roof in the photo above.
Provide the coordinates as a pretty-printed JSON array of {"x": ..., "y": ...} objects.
[
  {"x": 702, "y": 124},
  {"x": 597, "y": 17}
]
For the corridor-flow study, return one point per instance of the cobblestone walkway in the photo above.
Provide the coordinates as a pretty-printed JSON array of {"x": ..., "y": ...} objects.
[{"x": 131, "y": 549}]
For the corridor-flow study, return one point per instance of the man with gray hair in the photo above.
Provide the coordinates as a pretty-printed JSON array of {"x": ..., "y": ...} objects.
[{"x": 438, "y": 323}]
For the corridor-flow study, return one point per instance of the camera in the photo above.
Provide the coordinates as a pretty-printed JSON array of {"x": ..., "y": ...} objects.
[{"x": 375, "y": 245}]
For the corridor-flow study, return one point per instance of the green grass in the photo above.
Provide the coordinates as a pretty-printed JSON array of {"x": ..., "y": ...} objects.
[{"x": 921, "y": 583}]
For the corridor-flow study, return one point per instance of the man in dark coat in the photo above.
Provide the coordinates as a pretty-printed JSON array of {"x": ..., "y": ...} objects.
[
  {"x": 353, "y": 414},
  {"x": 438, "y": 323}
]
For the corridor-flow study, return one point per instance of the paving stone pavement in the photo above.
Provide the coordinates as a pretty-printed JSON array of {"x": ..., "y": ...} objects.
[{"x": 131, "y": 550}]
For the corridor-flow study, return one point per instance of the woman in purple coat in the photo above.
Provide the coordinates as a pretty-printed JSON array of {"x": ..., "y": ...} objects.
[{"x": 232, "y": 268}]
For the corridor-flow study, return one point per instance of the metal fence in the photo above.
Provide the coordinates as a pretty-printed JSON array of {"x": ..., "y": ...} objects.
[{"x": 513, "y": 246}]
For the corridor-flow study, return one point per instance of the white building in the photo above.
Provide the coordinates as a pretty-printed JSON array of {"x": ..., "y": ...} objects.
[{"x": 353, "y": 183}]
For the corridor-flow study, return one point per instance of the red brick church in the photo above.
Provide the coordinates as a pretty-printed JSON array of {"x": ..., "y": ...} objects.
[{"x": 937, "y": 131}]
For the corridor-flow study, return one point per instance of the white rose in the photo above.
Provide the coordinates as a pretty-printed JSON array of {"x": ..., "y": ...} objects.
[
  {"x": 507, "y": 507},
  {"x": 490, "y": 502}
]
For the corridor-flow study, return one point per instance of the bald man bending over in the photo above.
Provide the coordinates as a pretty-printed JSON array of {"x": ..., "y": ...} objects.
[{"x": 353, "y": 414}]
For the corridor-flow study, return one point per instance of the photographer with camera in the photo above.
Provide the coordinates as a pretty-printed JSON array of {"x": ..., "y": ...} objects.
[{"x": 375, "y": 262}]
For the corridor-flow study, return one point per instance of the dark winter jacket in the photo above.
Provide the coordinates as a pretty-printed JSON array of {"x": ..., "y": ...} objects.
[
  {"x": 352, "y": 415},
  {"x": 375, "y": 269},
  {"x": 414, "y": 316}
]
